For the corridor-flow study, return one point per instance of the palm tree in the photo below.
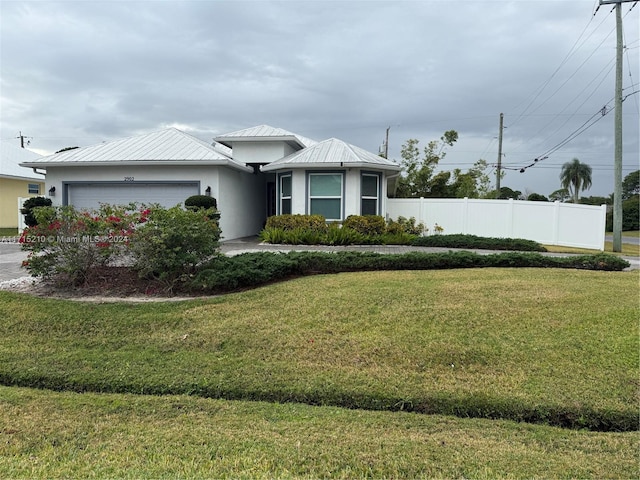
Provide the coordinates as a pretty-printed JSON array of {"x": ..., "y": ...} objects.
[{"x": 575, "y": 176}]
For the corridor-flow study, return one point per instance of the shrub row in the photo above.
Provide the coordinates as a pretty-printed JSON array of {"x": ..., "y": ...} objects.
[
  {"x": 355, "y": 230},
  {"x": 480, "y": 243},
  {"x": 253, "y": 269}
]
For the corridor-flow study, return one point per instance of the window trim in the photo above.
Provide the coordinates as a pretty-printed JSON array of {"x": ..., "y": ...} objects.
[
  {"x": 378, "y": 176},
  {"x": 341, "y": 173},
  {"x": 279, "y": 192}
]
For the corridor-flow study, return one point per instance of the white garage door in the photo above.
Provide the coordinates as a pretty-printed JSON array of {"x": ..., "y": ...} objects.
[{"x": 91, "y": 195}]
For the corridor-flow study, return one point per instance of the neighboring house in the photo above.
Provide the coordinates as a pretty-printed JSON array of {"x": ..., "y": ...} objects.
[
  {"x": 16, "y": 182},
  {"x": 253, "y": 174}
]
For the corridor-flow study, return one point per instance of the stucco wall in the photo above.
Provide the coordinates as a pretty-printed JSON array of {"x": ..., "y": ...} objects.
[
  {"x": 351, "y": 188},
  {"x": 10, "y": 191},
  {"x": 260, "y": 152}
]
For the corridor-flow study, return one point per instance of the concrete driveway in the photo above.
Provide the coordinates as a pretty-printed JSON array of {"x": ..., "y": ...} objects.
[{"x": 11, "y": 257}]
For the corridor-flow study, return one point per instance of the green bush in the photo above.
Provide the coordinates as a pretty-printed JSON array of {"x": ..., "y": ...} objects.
[
  {"x": 368, "y": 225},
  {"x": 630, "y": 215},
  {"x": 252, "y": 269},
  {"x": 406, "y": 225},
  {"x": 200, "y": 201},
  {"x": 171, "y": 243},
  {"x": 28, "y": 206},
  {"x": 316, "y": 223},
  {"x": 337, "y": 235},
  {"x": 68, "y": 244},
  {"x": 480, "y": 243}
]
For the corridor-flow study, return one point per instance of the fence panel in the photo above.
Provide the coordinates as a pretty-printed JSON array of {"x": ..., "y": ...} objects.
[{"x": 554, "y": 223}]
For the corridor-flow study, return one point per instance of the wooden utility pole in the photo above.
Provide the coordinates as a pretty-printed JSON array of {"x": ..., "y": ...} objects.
[
  {"x": 499, "y": 152},
  {"x": 617, "y": 160}
]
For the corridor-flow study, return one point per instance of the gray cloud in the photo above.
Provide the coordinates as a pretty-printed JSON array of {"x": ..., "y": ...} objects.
[{"x": 78, "y": 73}]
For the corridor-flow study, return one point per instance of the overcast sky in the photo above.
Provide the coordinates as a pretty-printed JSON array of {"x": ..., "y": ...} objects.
[{"x": 77, "y": 73}]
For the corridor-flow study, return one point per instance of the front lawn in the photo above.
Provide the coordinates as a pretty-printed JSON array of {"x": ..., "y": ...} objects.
[
  {"x": 555, "y": 347},
  {"x": 47, "y": 435},
  {"x": 540, "y": 345}
]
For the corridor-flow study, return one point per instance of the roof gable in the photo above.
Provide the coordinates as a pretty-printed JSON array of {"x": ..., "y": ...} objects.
[
  {"x": 10, "y": 158},
  {"x": 332, "y": 153},
  {"x": 170, "y": 146},
  {"x": 265, "y": 133}
]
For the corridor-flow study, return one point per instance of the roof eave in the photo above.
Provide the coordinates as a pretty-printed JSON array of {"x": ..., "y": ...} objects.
[
  {"x": 133, "y": 163},
  {"x": 326, "y": 166}
]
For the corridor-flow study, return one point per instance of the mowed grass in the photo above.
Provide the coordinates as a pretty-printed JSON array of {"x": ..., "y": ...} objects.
[
  {"x": 539, "y": 345},
  {"x": 46, "y": 434}
]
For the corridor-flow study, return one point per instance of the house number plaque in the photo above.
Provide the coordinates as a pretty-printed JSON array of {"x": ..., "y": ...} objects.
[{"x": 128, "y": 179}]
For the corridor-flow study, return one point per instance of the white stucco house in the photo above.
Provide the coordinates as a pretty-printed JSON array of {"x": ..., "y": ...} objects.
[{"x": 253, "y": 173}]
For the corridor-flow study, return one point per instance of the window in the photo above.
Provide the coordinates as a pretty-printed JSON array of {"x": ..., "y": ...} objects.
[
  {"x": 325, "y": 195},
  {"x": 285, "y": 193},
  {"x": 370, "y": 194},
  {"x": 34, "y": 189}
]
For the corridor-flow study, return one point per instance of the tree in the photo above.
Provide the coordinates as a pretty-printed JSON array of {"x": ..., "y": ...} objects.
[
  {"x": 418, "y": 172},
  {"x": 631, "y": 185},
  {"x": 536, "y": 197},
  {"x": 560, "y": 195},
  {"x": 575, "y": 176},
  {"x": 507, "y": 193}
]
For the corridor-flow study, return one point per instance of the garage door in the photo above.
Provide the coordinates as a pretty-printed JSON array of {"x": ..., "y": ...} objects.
[{"x": 90, "y": 195}]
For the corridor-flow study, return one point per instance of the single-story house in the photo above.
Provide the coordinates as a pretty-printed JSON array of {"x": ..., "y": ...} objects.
[
  {"x": 16, "y": 183},
  {"x": 253, "y": 173}
]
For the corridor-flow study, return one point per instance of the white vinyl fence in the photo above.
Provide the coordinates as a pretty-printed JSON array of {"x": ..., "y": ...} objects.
[
  {"x": 566, "y": 224},
  {"x": 21, "y": 224}
]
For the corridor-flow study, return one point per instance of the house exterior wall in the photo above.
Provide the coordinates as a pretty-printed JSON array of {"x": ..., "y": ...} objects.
[
  {"x": 234, "y": 190},
  {"x": 10, "y": 190},
  {"x": 260, "y": 152},
  {"x": 351, "y": 190},
  {"x": 56, "y": 176},
  {"x": 242, "y": 201}
]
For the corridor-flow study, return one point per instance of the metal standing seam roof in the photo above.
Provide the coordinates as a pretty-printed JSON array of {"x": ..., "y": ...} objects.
[
  {"x": 10, "y": 158},
  {"x": 332, "y": 152},
  {"x": 169, "y": 146},
  {"x": 264, "y": 132}
]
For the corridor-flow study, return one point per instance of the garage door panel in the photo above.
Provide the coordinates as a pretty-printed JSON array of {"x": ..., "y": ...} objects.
[{"x": 91, "y": 195}]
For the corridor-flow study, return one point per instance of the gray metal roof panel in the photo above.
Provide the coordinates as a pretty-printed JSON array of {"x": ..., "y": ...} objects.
[
  {"x": 332, "y": 152},
  {"x": 265, "y": 132},
  {"x": 10, "y": 158},
  {"x": 164, "y": 146}
]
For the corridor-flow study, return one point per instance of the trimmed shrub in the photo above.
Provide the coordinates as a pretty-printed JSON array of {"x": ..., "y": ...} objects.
[
  {"x": 368, "y": 225},
  {"x": 28, "y": 206},
  {"x": 172, "y": 242},
  {"x": 406, "y": 225},
  {"x": 480, "y": 243},
  {"x": 316, "y": 223},
  {"x": 200, "y": 201},
  {"x": 252, "y": 269}
]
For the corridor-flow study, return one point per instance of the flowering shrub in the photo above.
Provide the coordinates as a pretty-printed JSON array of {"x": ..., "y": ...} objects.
[
  {"x": 170, "y": 243},
  {"x": 68, "y": 244}
]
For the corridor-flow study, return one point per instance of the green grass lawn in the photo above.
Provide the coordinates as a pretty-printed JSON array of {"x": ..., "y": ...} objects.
[
  {"x": 547, "y": 345},
  {"x": 69, "y": 435}
]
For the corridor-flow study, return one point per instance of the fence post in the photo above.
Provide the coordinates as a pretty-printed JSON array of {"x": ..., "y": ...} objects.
[
  {"x": 465, "y": 215},
  {"x": 555, "y": 229},
  {"x": 510, "y": 209}
]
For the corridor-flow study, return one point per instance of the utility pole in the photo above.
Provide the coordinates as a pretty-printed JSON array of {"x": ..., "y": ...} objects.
[
  {"x": 499, "y": 152},
  {"x": 386, "y": 144},
  {"x": 617, "y": 161},
  {"x": 22, "y": 137}
]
